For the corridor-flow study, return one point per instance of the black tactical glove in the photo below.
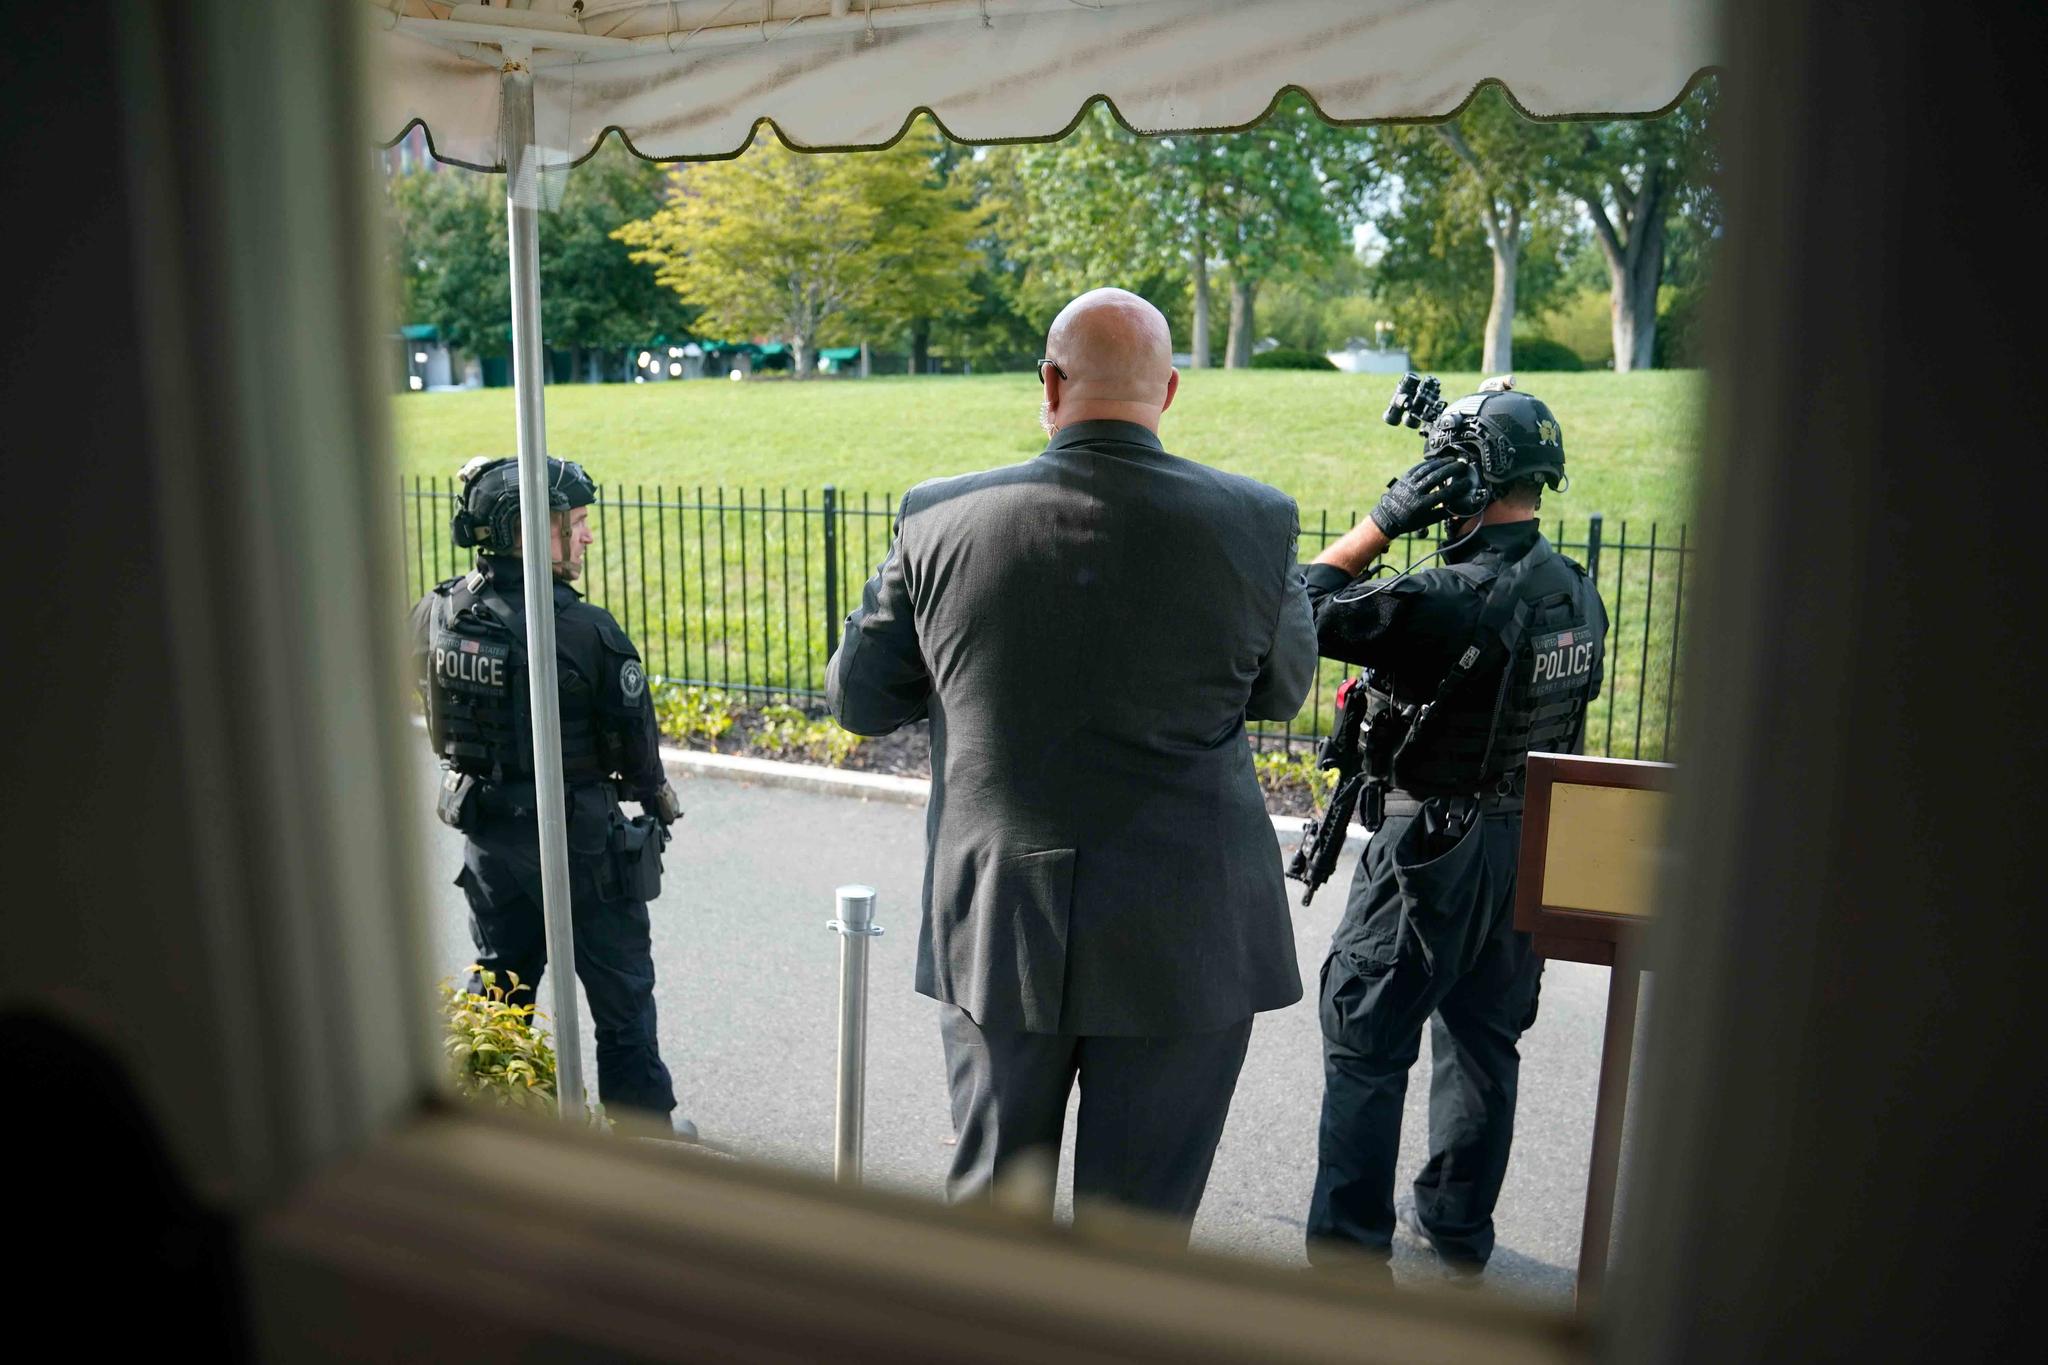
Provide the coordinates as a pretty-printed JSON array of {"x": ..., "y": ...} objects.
[
  {"x": 1417, "y": 498},
  {"x": 661, "y": 803}
]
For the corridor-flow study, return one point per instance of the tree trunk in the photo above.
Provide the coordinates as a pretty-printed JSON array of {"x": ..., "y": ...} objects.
[
  {"x": 800, "y": 349},
  {"x": 920, "y": 346},
  {"x": 1499, "y": 356},
  {"x": 1238, "y": 354},
  {"x": 1198, "y": 345},
  {"x": 1632, "y": 299}
]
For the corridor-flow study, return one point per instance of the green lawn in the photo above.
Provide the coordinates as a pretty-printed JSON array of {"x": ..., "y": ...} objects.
[
  {"x": 711, "y": 548},
  {"x": 1630, "y": 439}
]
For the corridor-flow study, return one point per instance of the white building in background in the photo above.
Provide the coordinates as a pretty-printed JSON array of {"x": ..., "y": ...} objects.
[{"x": 1359, "y": 358}]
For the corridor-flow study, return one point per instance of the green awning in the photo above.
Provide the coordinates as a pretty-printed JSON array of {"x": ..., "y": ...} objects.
[
  {"x": 839, "y": 353},
  {"x": 420, "y": 331}
]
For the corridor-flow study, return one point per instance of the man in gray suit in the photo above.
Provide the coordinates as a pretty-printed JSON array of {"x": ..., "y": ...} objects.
[{"x": 1088, "y": 632}]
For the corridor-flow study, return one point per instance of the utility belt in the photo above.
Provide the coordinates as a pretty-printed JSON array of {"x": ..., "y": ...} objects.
[
  {"x": 466, "y": 799},
  {"x": 1505, "y": 797},
  {"x": 628, "y": 858},
  {"x": 1400, "y": 803}
]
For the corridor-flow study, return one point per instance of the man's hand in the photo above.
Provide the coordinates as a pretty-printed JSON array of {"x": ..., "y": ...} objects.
[{"x": 1417, "y": 498}]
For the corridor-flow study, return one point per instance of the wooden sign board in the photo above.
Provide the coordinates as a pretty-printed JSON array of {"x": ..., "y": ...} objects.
[{"x": 1593, "y": 846}]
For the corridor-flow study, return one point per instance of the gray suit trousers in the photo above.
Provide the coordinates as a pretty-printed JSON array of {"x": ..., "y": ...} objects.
[{"x": 1152, "y": 1109}]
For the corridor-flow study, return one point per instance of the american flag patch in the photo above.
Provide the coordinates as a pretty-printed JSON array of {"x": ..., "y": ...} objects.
[
  {"x": 470, "y": 646},
  {"x": 1564, "y": 637}
]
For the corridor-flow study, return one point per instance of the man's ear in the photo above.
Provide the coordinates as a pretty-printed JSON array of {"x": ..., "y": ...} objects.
[{"x": 1172, "y": 388}]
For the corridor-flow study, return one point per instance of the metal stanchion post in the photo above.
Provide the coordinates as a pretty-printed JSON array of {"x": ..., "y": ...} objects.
[{"x": 855, "y": 926}]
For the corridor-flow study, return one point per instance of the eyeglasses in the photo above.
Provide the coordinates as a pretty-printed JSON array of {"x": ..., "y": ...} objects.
[{"x": 1043, "y": 365}]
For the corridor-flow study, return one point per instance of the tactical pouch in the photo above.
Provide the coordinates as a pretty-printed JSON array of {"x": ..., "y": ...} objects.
[
  {"x": 632, "y": 869},
  {"x": 1440, "y": 869},
  {"x": 457, "y": 803}
]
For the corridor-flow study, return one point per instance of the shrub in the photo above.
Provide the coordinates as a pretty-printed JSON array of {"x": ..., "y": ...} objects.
[
  {"x": 695, "y": 715},
  {"x": 1287, "y": 358},
  {"x": 787, "y": 732},
  {"x": 1681, "y": 329},
  {"x": 1294, "y": 774},
  {"x": 1541, "y": 353},
  {"x": 496, "y": 1048}
]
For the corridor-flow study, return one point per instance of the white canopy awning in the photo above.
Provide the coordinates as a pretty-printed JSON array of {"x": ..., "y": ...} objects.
[{"x": 692, "y": 78}]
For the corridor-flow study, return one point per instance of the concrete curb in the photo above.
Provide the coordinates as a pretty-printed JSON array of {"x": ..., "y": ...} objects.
[
  {"x": 769, "y": 772},
  {"x": 908, "y": 791}
]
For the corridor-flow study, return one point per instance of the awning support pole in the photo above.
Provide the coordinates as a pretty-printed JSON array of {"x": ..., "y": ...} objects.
[{"x": 522, "y": 218}]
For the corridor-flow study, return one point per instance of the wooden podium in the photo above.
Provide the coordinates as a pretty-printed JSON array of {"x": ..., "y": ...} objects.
[{"x": 1594, "y": 839}]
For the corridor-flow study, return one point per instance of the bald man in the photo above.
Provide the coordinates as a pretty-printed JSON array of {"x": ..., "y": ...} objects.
[{"x": 1088, "y": 632}]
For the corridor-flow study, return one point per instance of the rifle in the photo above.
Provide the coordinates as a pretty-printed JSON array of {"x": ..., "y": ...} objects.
[{"x": 1342, "y": 751}]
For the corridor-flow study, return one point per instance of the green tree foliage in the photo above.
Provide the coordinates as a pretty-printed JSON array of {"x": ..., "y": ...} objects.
[
  {"x": 1106, "y": 207},
  {"x": 451, "y": 247},
  {"x": 999, "y": 330},
  {"x": 1085, "y": 213},
  {"x": 1323, "y": 310},
  {"x": 1649, "y": 189},
  {"x": 1473, "y": 227},
  {"x": 594, "y": 295},
  {"x": 812, "y": 248},
  {"x": 450, "y": 227}
]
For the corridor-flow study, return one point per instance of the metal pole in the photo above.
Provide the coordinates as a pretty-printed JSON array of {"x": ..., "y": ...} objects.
[
  {"x": 522, "y": 214},
  {"x": 1617, "y": 1048},
  {"x": 855, "y": 926},
  {"x": 835, "y": 625}
]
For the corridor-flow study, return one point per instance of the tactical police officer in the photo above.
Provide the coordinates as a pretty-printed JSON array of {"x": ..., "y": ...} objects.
[
  {"x": 469, "y": 643},
  {"x": 1468, "y": 666}
]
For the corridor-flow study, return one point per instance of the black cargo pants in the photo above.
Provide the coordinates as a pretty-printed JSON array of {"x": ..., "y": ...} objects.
[
  {"x": 614, "y": 953},
  {"x": 1428, "y": 931}
]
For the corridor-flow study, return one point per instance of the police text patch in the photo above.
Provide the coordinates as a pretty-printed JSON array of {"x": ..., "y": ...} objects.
[
  {"x": 1563, "y": 661},
  {"x": 470, "y": 665}
]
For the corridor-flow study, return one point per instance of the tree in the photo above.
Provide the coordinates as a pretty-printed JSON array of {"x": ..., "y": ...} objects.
[
  {"x": 1482, "y": 177},
  {"x": 451, "y": 245},
  {"x": 595, "y": 297},
  {"x": 1087, "y": 212},
  {"x": 1106, "y": 205},
  {"x": 450, "y": 231},
  {"x": 1263, "y": 201},
  {"x": 809, "y": 247},
  {"x": 1633, "y": 178}
]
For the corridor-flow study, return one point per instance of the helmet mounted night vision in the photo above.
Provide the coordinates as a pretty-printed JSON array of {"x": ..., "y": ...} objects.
[
  {"x": 487, "y": 515},
  {"x": 1505, "y": 436}
]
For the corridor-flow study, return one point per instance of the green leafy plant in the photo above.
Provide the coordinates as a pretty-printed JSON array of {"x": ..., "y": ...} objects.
[
  {"x": 1293, "y": 774},
  {"x": 695, "y": 715},
  {"x": 786, "y": 732},
  {"x": 1541, "y": 353},
  {"x": 496, "y": 1048}
]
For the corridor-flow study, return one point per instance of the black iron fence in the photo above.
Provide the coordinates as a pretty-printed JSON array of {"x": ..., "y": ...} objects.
[{"x": 746, "y": 589}]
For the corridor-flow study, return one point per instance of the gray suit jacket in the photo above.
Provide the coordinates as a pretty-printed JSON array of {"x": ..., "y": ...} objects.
[{"x": 1088, "y": 632}]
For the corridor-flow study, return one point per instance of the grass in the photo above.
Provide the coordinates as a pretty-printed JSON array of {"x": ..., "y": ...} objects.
[
  {"x": 1630, "y": 439},
  {"x": 703, "y": 564}
]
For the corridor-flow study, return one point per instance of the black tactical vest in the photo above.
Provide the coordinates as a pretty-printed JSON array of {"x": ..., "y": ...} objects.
[
  {"x": 479, "y": 706},
  {"x": 1524, "y": 681}
]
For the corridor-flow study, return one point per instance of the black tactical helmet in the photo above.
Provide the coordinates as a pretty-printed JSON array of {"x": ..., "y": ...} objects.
[
  {"x": 1514, "y": 436},
  {"x": 488, "y": 517}
]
